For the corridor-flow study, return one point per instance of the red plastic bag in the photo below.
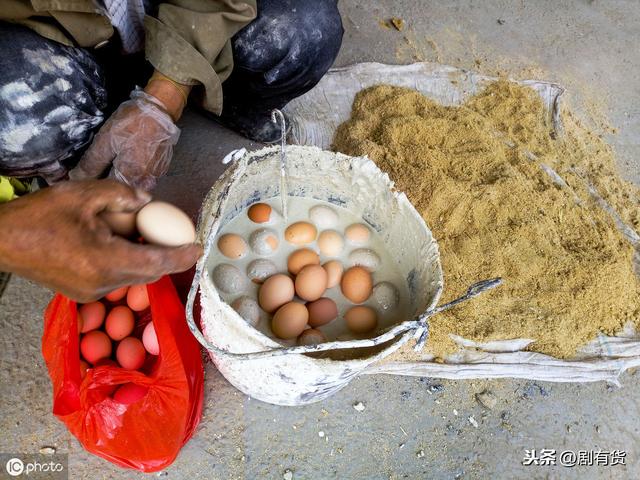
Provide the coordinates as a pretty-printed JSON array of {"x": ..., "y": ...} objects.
[{"x": 146, "y": 435}]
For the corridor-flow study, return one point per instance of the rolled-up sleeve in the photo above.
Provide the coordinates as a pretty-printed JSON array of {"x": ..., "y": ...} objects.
[{"x": 189, "y": 41}]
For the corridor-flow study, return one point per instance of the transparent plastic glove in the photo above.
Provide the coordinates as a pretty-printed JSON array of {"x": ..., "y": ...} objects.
[{"x": 136, "y": 142}]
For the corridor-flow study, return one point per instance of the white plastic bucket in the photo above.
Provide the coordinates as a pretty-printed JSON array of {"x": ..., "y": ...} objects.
[{"x": 353, "y": 183}]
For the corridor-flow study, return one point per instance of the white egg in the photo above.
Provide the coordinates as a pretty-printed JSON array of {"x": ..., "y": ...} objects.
[
  {"x": 161, "y": 223},
  {"x": 228, "y": 278},
  {"x": 261, "y": 269},
  {"x": 264, "y": 241},
  {"x": 248, "y": 309},
  {"x": 366, "y": 258},
  {"x": 323, "y": 216},
  {"x": 386, "y": 295}
]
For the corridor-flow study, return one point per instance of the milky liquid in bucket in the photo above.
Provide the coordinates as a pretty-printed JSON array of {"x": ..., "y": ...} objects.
[{"x": 298, "y": 210}]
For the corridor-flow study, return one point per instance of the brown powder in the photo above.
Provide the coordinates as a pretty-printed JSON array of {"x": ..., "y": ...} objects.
[{"x": 473, "y": 172}]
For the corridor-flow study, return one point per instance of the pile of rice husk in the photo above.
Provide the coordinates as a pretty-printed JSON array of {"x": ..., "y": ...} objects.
[{"x": 474, "y": 173}]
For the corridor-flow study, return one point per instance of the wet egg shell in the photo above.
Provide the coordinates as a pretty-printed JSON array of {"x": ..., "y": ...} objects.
[
  {"x": 264, "y": 241},
  {"x": 365, "y": 257},
  {"x": 259, "y": 213},
  {"x": 290, "y": 320},
  {"x": 130, "y": 353},
  {"x": 130, "y": 393},
  {"x": 323, "y": 216},
  {"x": 322, "y": 311},
  {"x": 311, "y": 282},
  {"x": 95, "y": 345},
  {"x": 92, "y": 314},
  {"x": 228, "y": 278},
  {"x": 386, "y": 295},
  {"x": 356, "y": 284},
  {"x": 261, "y": 269},
  {"x": 302, "y": 258},
  {"x": 248, "y": 309},
  {"x": 357, "y": 234},
  {"x": 300, "y": 233},
  {"x": 232, "y": 245},
  {"x": 311, "y": 336},
  {"x": 120, "y": 223},
  {"x": 138, "y": 297},
  {"x": 361, "y": 319},
  {"x": 117, "y": 294},
  {"x": 84, "y": 366},
  {"x": 119, "y": 323},
  {"x": 334, "y": 271},
  {"x": 161, "y": 223},
  {"x": 330, "y": 243},
  {"x": 275, "y": 292},
  {"x": 150, "y": 339}
]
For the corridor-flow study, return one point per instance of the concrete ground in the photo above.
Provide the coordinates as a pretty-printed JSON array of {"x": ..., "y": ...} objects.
[{"x": 410, "y": 427}]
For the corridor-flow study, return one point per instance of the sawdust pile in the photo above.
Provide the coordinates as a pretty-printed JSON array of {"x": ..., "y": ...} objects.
[{"x": 475, "y": 173}]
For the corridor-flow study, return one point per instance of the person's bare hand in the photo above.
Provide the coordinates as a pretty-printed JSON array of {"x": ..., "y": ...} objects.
[{"x": 56, "y": 237}]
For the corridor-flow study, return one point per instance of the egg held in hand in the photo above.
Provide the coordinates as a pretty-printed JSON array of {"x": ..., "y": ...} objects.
[{"x": 163, "y": 224}]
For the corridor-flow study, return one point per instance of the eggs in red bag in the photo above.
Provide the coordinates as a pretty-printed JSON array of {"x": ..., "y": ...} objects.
[
  {"x": 130, "y": 393},
  {"x": 130, "y": 353}
]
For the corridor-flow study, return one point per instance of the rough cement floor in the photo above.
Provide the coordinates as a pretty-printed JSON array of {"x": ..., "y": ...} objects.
[{"x": 409, "y": 428}]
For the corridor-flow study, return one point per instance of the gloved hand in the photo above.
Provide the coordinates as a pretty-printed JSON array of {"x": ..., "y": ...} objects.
[{"x": 136, "y": 141}]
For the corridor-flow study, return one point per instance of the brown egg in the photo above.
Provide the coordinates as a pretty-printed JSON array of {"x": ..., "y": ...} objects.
[
  {"x": 302, "y": 258},
  {"x": 334, "y": 271},
  {"x": 290, "y": 320},
  {"x": 357, "y": 234},
  {"x": 330, "y": 243},
  {"x": 322, "y": 311},
  {"x": 275, "y": 292},
  {"x": 259, "y": 213},
  {"x": 361, "y": 319},
  {"x": 311, "y": 282},
  {"x": 300, "y": 233},
  {"x": 232, "y": 245},
  {"x": 356, "y": 284},
  {"x": 311, "y": 336}
]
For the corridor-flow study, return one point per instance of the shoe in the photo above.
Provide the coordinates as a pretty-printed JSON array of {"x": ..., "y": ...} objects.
[{"x": 252, "y": 124}]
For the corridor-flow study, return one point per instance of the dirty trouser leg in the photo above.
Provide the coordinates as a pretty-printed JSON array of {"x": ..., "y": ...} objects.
[
  {"x": 51, "y": 100},
  {"x": 279, "y": 56}
]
